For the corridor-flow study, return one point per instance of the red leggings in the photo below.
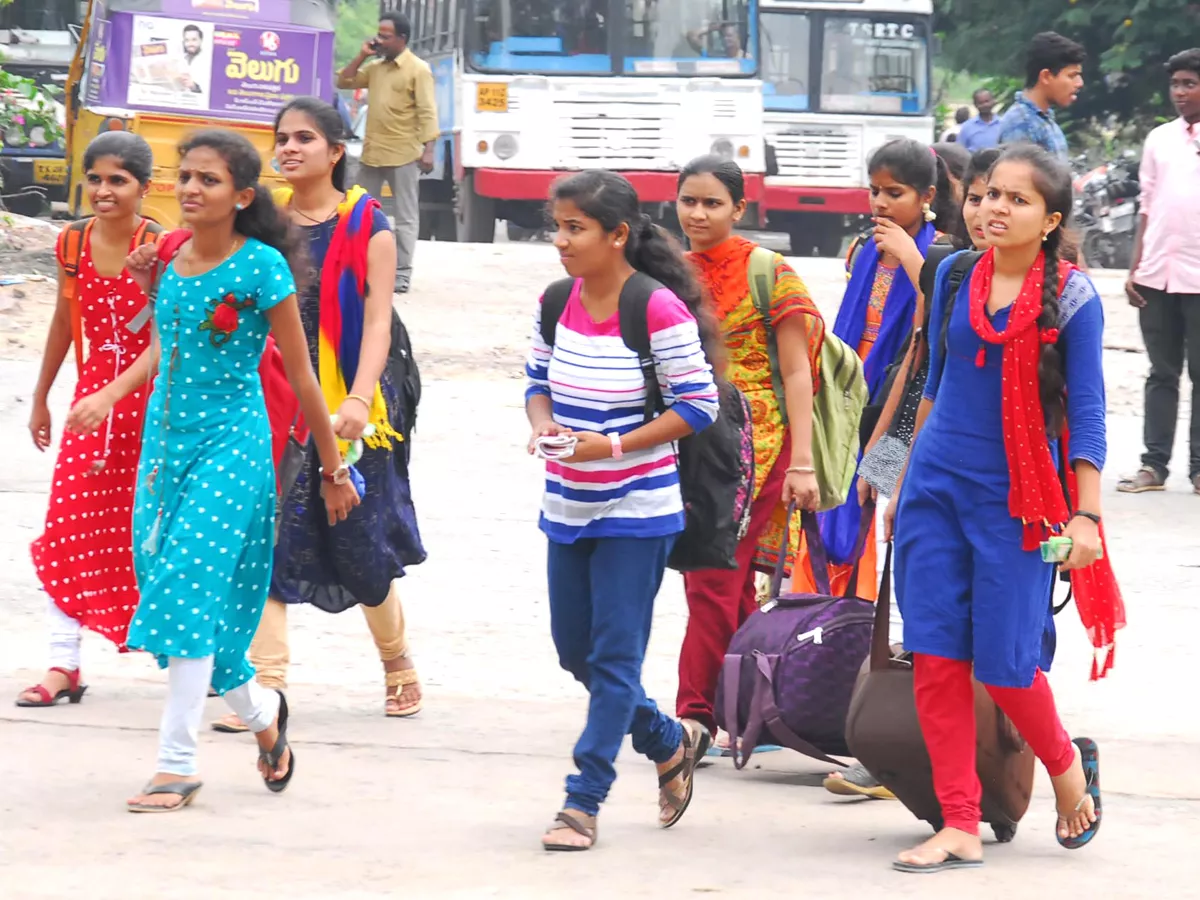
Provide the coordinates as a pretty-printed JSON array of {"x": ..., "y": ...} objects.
[
  {"x": 719, "y": 601},
  {"x": 945, "y": 701}
]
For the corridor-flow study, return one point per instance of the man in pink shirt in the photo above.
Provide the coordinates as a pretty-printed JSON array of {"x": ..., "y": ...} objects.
[{"x": 1164, "y": 281}]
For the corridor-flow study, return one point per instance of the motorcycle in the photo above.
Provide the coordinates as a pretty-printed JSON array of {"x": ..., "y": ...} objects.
[{"x": 1106, "y": 212}]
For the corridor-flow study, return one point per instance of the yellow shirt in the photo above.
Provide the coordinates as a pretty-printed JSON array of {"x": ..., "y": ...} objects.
[{"x": 401, "y": 112}]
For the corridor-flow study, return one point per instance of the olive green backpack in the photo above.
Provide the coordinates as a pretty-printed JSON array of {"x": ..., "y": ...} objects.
[{"x": 839, "y": 400}]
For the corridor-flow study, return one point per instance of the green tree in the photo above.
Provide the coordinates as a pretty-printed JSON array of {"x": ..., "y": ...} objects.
[
  {"x": 357, "y": 21},
  {"x": 1128, "y": 41}
]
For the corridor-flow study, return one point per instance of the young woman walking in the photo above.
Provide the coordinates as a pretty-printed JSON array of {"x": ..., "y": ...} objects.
[
  {"x": 982, "y": 490},
  {"x": 352, "y": 259},
  {"x": 612, "y": 510},
  {"x": 910, "y": 192},
  {"x": 83, "y": 557},
  {"x": 203, "y": 522},
  {"x": 711, "y": 201}
]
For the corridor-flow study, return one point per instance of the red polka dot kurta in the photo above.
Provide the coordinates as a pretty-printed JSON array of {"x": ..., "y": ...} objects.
[{"x": 84, "y": 557}]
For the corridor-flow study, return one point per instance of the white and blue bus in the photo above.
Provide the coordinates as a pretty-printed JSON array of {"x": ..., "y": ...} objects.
[
  {"x": 530, "y": 89},
  {"x": 840, "y": 78}
]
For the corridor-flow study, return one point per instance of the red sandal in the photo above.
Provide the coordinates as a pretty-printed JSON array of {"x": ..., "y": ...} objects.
[{"x": 74, "y": 691}]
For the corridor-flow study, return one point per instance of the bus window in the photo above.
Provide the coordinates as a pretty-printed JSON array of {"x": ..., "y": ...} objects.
[
  {"x": 874, "y": 66},
  {"x": 689, "y": 37},
  {"x": 46, "y": 15},
  {"x": 563, "y": 36},
  {"x": 785, "y": 46}
]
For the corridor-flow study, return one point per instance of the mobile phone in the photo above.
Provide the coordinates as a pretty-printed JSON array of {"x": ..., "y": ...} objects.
[{"x": 374, "y": 45}]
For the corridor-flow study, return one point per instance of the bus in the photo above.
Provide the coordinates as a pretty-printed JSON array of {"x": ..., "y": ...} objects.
[
  {"x": 840, "y": 78},
  {"x": 530, "y": 89}
]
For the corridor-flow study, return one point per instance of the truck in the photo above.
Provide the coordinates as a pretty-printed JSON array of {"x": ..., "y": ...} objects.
[
  {"x": 840, "y": 79},
  {"x": 528, "y": 90}
]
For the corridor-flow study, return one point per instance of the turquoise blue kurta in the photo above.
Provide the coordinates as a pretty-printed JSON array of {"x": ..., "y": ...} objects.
[{"x": 204, "y": 512}]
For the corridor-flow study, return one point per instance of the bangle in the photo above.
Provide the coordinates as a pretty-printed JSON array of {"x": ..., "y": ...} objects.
[
  {"x": 1080, "y": 514},
  {"x": 801, "y": 470},
  {"x": 361, "y": 399}
]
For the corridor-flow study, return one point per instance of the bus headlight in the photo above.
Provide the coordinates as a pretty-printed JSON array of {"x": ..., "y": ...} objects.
[
  {"x": 505, "y": 146},
  {"x": 723, "y": 147}
]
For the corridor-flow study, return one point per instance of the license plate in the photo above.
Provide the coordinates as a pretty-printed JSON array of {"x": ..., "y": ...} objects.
[
  {"x": 491, "y": 98},
  {"x": 50, "y": 171}
]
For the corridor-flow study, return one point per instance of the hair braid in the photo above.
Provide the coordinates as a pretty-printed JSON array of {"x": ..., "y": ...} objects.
[{"x": 1051, "y": 380}]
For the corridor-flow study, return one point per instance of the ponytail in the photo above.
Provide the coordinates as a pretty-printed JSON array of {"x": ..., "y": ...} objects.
[
  {"x": 947, "y": 206},
  {"x": 266, "y": 222}
]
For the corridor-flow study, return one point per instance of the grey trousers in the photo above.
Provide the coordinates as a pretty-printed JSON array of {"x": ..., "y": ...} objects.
[
  {"x": 1171, "y": 330},
  {"x": 405, "y": 184}
]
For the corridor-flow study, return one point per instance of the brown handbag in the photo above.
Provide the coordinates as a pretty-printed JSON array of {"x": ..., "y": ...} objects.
[{"x": 883, "y": 733}]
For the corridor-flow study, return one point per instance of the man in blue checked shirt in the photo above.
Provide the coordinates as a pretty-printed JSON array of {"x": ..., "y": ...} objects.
[{"x": 1053, "y": 77}]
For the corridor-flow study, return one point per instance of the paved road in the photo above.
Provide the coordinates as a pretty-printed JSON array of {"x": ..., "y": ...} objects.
[{"x": 451, "y": 804}]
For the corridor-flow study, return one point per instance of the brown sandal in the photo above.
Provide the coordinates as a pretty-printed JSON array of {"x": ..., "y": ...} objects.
[
  {"x": 399, "y": 679},
  {"x": 685, "y": 768},
  {"x": 570, "y": 819}
]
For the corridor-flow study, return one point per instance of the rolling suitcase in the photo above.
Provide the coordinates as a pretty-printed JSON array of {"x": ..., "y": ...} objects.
[{"x": 883, "y": 733}]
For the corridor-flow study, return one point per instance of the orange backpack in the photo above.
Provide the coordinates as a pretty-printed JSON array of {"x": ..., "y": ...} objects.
[{"x": 68, "y": 250}]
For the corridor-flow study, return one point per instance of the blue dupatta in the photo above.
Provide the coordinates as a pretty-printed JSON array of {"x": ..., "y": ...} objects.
[{"x": 839, "y": 527}]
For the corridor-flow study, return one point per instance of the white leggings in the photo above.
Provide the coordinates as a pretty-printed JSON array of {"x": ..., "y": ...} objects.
[
  {"x": 66, "y": 635},
  {"x": 188, "y": 681}
]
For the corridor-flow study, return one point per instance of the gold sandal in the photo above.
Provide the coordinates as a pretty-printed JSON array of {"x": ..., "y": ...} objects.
[{"x": 400, "y": 679}]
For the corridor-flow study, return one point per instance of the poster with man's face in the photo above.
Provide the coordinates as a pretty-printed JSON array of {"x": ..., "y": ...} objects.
[{"x": 170, "y": 63}]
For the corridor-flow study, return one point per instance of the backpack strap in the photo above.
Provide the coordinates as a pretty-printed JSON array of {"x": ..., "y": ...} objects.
[
  {"x": 635, "y": 332},
  {"x": 959, "y": 269},
  {"x": 554, "y": 304},
  {"x": 762, "y": 291},
  {"x": 856, "y": 246},
  {"x": 69, "y": 249}
]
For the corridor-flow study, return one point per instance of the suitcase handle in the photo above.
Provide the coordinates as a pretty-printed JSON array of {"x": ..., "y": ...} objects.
[{"x": 818, "y": 556}]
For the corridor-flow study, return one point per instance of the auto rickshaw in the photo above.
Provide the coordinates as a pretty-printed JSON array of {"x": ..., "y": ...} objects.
[{"x": 164, "y": 68}]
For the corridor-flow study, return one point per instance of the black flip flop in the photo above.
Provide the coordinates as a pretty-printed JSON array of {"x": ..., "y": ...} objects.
[
  {"x": 272, "y": 758},
  {"x": 950, "y": 862},
  {"x": 187, "y": 790},
  {"x": 1089, "y": 755}
]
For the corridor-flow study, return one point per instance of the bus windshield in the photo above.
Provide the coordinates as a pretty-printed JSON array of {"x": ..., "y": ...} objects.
[
  {"x": 45, "y": 15},
  {"x": 580, "y": 37},
  {"x": 874, "y": 65},
  {"x": 785, "y": 48}
]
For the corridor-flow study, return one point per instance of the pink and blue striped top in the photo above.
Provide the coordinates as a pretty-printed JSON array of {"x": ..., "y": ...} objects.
[{"x": 595, "y": 384}]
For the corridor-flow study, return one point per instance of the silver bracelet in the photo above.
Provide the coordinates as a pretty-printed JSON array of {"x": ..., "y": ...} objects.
[{"x": 801, "y": 470}]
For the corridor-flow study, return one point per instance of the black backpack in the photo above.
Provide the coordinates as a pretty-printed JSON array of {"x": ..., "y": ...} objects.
[
  {"x": 716, "y": 466},
  {"x": 402, "y": 366}
]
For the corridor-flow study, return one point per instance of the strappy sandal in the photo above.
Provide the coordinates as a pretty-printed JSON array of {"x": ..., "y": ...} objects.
[
  {"x": 186, "y": 790},
  {"x": 399, "y": 680},
  {"x": 272, "y": 758},
  {"x": 685, "y": 769},
  {"x": 576, "y": 825},
  {"x": 74, "y": 691},
  {"x": 1089, "y": 755}
]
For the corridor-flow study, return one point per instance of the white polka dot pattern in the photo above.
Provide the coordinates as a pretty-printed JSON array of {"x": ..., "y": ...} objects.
[
  {"x": 203, "y": 531},
  {"x": 83, "y": 557}
]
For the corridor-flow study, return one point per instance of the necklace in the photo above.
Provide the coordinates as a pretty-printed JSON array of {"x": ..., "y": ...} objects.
[
  {"x": 325, "y": 218},
  {"x": 234, "y": 247}
]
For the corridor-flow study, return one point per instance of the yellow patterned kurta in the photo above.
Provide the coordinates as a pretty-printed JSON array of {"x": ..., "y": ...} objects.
[{"x": 749, "y": 370}]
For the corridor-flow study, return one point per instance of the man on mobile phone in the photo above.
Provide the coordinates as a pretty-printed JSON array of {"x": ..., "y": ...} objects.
[{"x": 401, "y": 128}]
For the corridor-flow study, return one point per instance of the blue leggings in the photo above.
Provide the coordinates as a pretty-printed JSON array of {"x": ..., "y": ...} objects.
[{"x": 602, "y": 594}]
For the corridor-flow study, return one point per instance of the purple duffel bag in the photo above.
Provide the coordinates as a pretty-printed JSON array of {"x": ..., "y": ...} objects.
[{"x": 791, "y": 668}]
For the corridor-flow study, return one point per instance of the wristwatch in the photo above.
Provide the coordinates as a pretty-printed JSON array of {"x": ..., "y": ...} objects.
[
  {"x": 617, "y": 452},
  {"x": 340, "y": 475}
]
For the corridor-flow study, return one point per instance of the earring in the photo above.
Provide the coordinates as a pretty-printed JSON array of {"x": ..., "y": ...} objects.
[
  {"x": 927, "y": 211},
  {"x": 1045, "y": 237},
  {"x": 619, "y": 244},
  {"x": 239, "y": 208}
]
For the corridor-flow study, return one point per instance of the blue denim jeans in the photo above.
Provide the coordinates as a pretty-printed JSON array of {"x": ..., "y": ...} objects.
[{"x": 602, "y": 594}]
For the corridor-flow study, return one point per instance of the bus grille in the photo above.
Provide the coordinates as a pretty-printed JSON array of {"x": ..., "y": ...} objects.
[
  {"x": 823, "y": 157},
  {"x": 628, "y": 135}
]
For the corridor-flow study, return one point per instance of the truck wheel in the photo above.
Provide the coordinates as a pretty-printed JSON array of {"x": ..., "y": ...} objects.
[
  {"x": 829, "y": 243},
  {"x": 444, "y": 227},
  {"x": 475, "y": 216},
  {"x": 31, "y": 204}
]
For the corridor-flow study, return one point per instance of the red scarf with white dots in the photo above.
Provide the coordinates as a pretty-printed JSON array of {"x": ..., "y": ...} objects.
[{"x": 1035, "y": 494}]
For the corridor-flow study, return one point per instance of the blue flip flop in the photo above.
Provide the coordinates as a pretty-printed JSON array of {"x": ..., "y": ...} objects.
[
  {"x": 726, "y": 753},
  {"x": 1089, "y": 753}
]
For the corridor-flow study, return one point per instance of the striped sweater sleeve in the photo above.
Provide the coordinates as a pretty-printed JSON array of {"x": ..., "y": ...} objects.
[
  {"x": 679, "y": 355},
  {"x": 537, "y": 363}
]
